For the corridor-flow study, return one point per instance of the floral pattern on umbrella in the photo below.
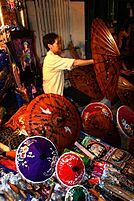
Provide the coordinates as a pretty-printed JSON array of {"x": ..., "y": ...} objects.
[
  {"x": 54, "y": 117},
  {"x": 36, "y": 158},
  {"x": 97, "y": 120}
]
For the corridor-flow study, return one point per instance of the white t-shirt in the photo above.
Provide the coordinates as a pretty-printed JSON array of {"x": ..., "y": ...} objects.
[{"x": 53, "y": 72}]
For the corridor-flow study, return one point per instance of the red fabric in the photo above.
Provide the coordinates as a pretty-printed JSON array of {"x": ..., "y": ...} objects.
[{"x": 8, "y": 164}]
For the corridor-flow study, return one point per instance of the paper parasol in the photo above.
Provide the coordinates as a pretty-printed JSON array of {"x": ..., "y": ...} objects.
[
  {"x": 83, "y": 79},
  {"x": 125, "y": 120},
  {"x": 54, "y": 117},
  {"x": 107, "y": 62},
  {"x": 97, "y": 120},
  {"x": 70, "y": 169},
  {"x": 36, "y": 158},
  {"x": 125, "y": 92},
  {"x": 77, "y": 193}
]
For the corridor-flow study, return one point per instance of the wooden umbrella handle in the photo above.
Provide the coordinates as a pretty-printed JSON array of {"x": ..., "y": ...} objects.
[{"x": 50, "y": 192}]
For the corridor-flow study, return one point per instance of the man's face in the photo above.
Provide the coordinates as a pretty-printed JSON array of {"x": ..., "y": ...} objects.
[{"x": 56, "y": 47}]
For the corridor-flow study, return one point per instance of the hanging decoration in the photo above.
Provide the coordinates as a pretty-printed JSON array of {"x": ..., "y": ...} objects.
[{"x": 15, "y": 4}]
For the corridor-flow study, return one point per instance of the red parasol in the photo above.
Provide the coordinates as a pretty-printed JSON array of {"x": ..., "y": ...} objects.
[
  {"x": 97, "y": 120},
  {"x": 84, "y": 79},
  {"x": 125, "y": 122},
  {"x": 54, "y": 117},
  {"x": 125, "y": 91},
  {"x": 107, "y": 58},
  {"x": 70, "y": 169}
]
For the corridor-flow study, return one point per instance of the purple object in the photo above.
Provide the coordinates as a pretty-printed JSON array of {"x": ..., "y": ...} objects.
[{"x": 36, "y": 158}]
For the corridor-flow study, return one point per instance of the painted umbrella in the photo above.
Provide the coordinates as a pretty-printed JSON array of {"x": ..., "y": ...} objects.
[
  {"x": 36, "y": 158},
  {"x": 70, "y": 169},
  {"x": 97, "y": 120},
  {"x": 125, "y": 122},
  {"x": 125, "y": 92},
  {"x": 106, "y": 55},
  {"x": 77, "y": 193},
  {"x": 55, "y": 117},
  {"x": 84, "y": 79}
]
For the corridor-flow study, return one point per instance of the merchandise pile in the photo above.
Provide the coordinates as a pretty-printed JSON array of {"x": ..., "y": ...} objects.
[{"x": 49, "y": 151}]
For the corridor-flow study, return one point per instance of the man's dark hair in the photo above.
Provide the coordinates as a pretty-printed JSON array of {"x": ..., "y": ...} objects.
[{"x": 49, "y": 39}]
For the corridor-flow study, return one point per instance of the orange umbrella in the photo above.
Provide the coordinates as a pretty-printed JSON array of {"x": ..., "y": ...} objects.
[
  {"x": 54, "y": 117},
  {"x": 107, "y": 58}
]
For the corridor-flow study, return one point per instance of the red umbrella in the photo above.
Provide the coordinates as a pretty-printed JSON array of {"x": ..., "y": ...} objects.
[
  {"x": 70, "y": 169},
  {"x": 107, "y": 58},
  {"x": 83, "y": 79},
  {"x": 97, "y": 120},
  {"x": 54, "y": 117},
  {"x": 125, "y": 91},
  {"x": 125, "y": 121}
]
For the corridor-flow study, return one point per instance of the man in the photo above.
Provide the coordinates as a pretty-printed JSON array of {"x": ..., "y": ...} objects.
[{"x": 54, "y": 65}]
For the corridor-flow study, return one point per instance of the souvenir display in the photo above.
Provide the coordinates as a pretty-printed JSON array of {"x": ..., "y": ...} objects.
[
  {"x": 125, "y": 122},
  {"x": 128, "y": 170},
  {"x": 95, "y": 146},
  {"x": 53, "y": 149},
  {"x": 107, "y": 58},
  {"x": 70, "y": 169},
  {"x": 117, "y": 157},
  {"x": 114, "y": 176},
  {"x": 36, "y": 159},
  {"x": 116, "y": 192},
  {"x": 54, "y": 117}
]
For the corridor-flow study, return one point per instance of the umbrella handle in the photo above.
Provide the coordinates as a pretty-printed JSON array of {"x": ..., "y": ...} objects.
[{"x": 50, "y": 192}]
